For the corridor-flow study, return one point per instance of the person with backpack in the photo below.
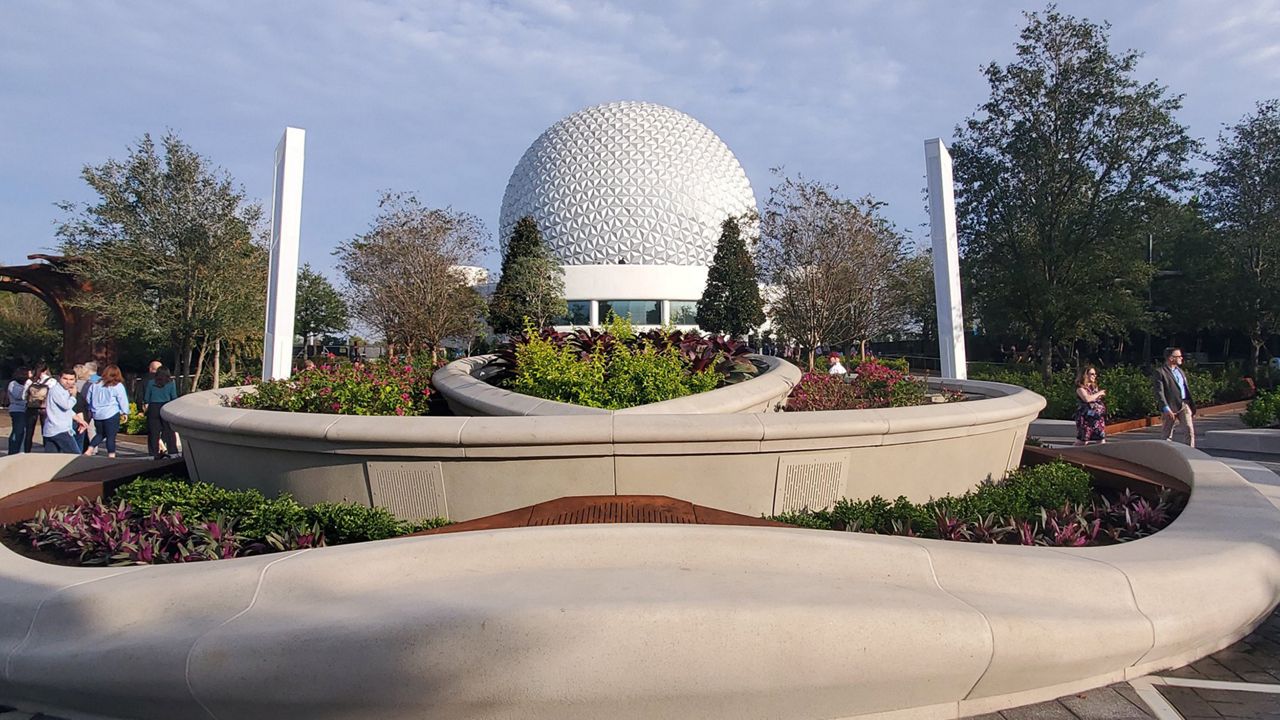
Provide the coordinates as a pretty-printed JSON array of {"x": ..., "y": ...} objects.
[
  {"x": 35, "y": 394},
  {"x": 109, "y": 405},
  {"x": 17, "y": 391}
]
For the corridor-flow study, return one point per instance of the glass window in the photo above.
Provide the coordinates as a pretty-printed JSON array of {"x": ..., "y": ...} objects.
[
  {"x": 684, "y": 312},
  {"x": 579, "y": 314},
  {"x": 641, "y": 312}
]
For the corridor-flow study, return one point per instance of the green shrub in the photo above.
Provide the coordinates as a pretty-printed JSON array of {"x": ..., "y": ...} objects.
[
  {"x": 1264, "y": 411},
  {"x": 614, "y": 374},
  {"x": 1020, "y": 496},
  {"x": 345, "y": 522},
  {"x": 136, "y": 424},
  {"x": 257, "y": 516}
]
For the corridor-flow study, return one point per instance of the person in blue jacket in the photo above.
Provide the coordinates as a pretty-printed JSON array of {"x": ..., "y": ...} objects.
[{"x": 109, "y": 406}]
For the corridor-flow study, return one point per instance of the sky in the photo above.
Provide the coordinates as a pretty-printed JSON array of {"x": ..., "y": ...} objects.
[{"x": 442, "y": 97}]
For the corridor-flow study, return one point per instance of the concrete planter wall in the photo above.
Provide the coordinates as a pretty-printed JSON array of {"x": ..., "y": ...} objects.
[
  {"x": 463, "y": 384},
  {"x": 468, "y": 467},
  {"x": 638, "y": 621}
]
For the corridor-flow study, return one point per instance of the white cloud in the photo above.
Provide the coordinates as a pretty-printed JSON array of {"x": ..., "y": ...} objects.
[{"x": 443, "y": 97}]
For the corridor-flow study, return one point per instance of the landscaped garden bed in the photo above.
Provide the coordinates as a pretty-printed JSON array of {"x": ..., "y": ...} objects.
[
  {"x": 395, "y": 386},
  {"x": 617, "y": 367},
  {"x": 869, "y": 383},
  {"x": 171, "y": 520},
  {"x": 1053, "y": 504}
]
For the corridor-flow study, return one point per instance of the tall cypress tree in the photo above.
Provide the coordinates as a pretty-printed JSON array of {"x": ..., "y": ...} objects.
[
  {"x": 532, "y": 282},
  {"x": 731, "y": 301}
]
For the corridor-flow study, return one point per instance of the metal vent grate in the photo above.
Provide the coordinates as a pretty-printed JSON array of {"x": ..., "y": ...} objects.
[
  {"x": 812, "y": 481},
  {"x": 411, "y": 490},
  {"x": 618, "y": 511}
]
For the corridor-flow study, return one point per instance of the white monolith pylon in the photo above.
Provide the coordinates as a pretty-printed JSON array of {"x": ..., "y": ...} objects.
[
  {"x": 282, "y": 287},
  {"x": 946, "y": 259}
]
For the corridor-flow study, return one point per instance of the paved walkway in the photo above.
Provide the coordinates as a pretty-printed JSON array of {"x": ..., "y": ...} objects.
[
  {"x": 126, "y": 447},
  {"x": 1241, "y": 681}
]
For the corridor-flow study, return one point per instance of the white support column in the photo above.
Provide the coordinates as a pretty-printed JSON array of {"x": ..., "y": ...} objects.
[
  {"x": 946, "y": 259},
  {"x": 282, "y": 287}
]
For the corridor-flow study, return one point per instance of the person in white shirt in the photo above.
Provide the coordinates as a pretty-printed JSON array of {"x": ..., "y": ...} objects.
[
  {"x": 836, "y": 368},
  {"x": 60, "y": 418}
]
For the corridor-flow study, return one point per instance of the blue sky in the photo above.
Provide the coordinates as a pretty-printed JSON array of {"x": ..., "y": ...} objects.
[{"x": 442, "y": 97}]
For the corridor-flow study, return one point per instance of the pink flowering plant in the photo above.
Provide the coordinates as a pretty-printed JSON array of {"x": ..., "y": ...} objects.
[
  {"x": 873, "y": 385},
  {"x": 396, "y": 386}
]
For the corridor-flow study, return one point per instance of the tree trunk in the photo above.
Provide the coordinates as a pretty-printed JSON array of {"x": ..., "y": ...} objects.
[
  {"x": 812, "y": 366},
  {"x": 231, "y": 369},
  {"x": 183, "y": 365},
  {"x": 217, "y": 363},
  {"x": 1046, "y": 358},
  {"x": 195, "y": 378},
  {"x": 862, "y": 349},
  {"x": 1226, "y": 349}
]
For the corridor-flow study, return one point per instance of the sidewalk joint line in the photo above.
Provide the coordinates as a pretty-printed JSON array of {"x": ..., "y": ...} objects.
[
  {"x": 1239, "y": 686},
  {"x": 1159, "y": 706}
]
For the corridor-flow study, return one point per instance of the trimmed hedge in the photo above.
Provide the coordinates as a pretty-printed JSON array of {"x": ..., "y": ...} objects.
[{"x": 1129, "y": 389}]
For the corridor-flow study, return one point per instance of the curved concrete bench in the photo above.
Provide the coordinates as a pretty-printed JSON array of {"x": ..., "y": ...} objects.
[
  {"x": 463, "y": 383},
  {"x": 639, "y": 621},
  {"x": 469, "y": 467}
]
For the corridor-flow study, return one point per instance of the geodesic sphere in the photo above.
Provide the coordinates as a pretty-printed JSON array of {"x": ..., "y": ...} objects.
[{"x": 627, "y": 182}]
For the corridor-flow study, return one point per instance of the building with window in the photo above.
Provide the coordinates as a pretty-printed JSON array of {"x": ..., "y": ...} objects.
[{"x": 629, "y": 196}]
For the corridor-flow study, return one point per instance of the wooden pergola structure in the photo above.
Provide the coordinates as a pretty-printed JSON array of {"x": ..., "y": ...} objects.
[{"x": 51, "y": 279}]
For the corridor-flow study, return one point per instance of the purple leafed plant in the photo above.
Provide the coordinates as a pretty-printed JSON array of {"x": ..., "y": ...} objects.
[{"x": 97, "y": 533}]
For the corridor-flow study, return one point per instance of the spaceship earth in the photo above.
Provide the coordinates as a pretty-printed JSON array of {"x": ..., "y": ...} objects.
[{"x": 628, "y": 182}]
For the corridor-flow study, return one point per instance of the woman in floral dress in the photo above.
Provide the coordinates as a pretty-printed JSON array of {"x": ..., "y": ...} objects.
[{"x": 1091, "y": 413}]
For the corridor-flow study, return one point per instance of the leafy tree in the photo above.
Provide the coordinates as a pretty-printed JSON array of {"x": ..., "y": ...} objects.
[
  {"x": 320, "y": 308},
  {"x": 1188, "y": 290},
  {"x": 28, "y": 330},
  {"x": 730, "y": 302},
  {"x": 1242, "y": 200},
  {"x": 531, "y": 285},
  {"x": 918, "y": 295},
  {"x": 172, "y": 249},
  {"x": 880, "y": 296},
  {"x": 1052, "y": 176},
  {"x": 816, "y": 251},
  {"x": 406, "y": 278}
]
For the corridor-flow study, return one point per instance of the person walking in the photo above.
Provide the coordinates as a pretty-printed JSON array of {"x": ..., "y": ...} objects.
[
  {"x": 1173, "y": 396},
  {"x": 60, "y": 419},
  {"x": 84, "y": 379},
  {"x": 110, "y": 407},
  {"x": 159, "y": 390},
  {"x": 17, "y": 391},
  {"x": 1091, "y": 413},
  {"x": 35, "y": 394}
]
